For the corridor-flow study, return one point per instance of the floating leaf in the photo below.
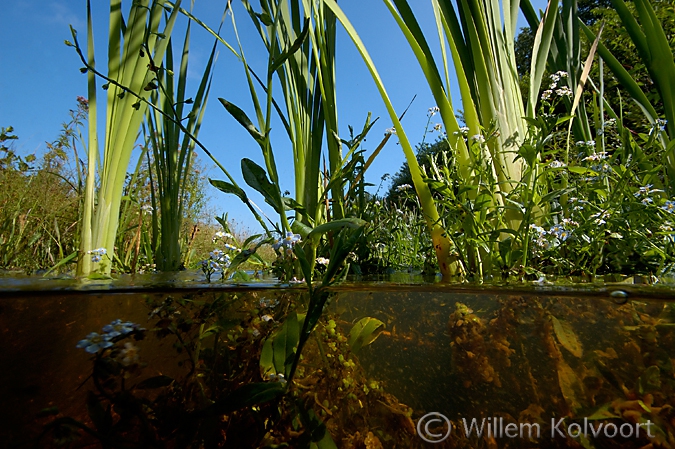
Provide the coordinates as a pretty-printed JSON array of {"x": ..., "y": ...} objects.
[
  {"x": 364, "y": 333},
  {"x": 566, "y": 336}
]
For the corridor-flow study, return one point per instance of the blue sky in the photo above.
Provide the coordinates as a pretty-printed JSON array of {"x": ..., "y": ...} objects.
[{"x": 40, "y": 81}]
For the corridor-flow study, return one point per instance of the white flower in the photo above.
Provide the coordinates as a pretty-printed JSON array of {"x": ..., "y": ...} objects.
[
  {"x": 596, "y": 156},
  {"x": 322, "y": 261},
  {"x": 390, "y": 131},
  {"x": 563, "y": 91},
  {"x": 478, "y": 138},
  {"x": 432, "y": 111},
  {"x": 403, "y": 187},
  {"x": 147, "y": 208},
  {"x": 129, "y": 355},
  {"x": 557, "y": 164},
  {"x": 438, "y": 127},
  {"x": 545, "y": 95}
]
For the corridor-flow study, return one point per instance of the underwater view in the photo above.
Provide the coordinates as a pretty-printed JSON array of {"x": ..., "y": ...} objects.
[{"x": 388, "y": 365}]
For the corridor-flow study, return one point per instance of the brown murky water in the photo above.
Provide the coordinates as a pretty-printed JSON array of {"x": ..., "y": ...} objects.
[{"x": 528, "y": 367}]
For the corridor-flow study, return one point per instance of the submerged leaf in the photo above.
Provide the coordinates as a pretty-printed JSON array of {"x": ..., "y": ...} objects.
[
  {"x": 571, "y": 387},
  {"x": 364, "y": 333},
  {"x": 566, "y": 336}
]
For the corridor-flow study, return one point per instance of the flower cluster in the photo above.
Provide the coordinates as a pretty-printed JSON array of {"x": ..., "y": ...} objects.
[
  {"x": 596, "y": 156},
  {"x": 463, "y": 131},
  {"x": 288, "y": 242},
  {"x": 97, "y": 254},
  {"x": 403, "y": 187},
  {"x": 478, "y": 138},
  {"x": 95, "y": 341},
  {"x": 560, "y": 231},
  {"x": 215, "y": 263},
  {"x": 389, "y": 131},
  {"x": 220, "y": 235},
  {"x": 433, "y": 111},
  {"x": 659, "y": 125},
  {"x": 147, "y": 208},
  {"x": 644, "y": 193},
  {"x": 562, "y": 91},
  {"x": 557, "y": 164}
]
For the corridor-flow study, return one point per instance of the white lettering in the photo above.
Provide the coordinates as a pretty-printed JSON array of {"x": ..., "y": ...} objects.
[
  {"x": 554, "y": 427},
  {"x": 509, "y": 427},
  {"x": 649, "y": 431},
  {"x": 615, "y": 430},
  {"x": 469, "y": 430},
  {"x": 596, "y": 432},
  {"x": 574, "y": 430},
  {"x": 529, "y": 429},
  {"x": 630, "y": 430}
]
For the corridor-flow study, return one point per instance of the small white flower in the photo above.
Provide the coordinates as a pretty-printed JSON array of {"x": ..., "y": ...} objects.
[
  {"x": 147, "y": 208},
  {"x": 323, "y": 261},
  {"x": 563, "y": 91},
  {"x": 433, "y": 111},
  {"x": 438, "y": 127},
  {"x": 403, "y": 187},
  {"x": 390, "y": 131},
  {"x": 557, "y": 164},
  {"x": 596, "y": 156},
  {"x": 479, "y": 138}
]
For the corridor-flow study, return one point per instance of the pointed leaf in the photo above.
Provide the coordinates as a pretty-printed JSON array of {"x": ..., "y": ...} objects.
[
  {"x": 227, "y": 187},
  {"x": 256, "y": 177},
  {"x": 243, "y": 119}
]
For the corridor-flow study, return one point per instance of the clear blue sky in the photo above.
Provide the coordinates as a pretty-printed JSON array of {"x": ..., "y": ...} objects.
[{"x": 40, "y": 80}]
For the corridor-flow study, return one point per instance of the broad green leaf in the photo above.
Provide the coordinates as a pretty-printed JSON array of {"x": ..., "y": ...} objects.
[
  {"x": 256, "y": 177},
  {"x": 279, "y": 349},
  {"x": 364, "y": 333}
]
